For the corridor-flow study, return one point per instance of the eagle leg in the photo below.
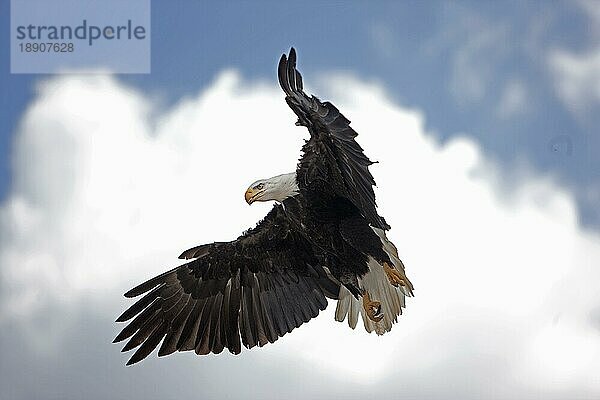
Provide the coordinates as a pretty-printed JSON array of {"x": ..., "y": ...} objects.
[
  {"x": 394, "y": 276},
  {"x": 372, "y": 308}
]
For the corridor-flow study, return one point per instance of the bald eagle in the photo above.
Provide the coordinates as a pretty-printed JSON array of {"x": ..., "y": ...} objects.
[{"x": 322, "y": 239}]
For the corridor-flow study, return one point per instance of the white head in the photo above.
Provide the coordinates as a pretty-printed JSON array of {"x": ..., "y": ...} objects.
[{"x": 277, "y": 188}]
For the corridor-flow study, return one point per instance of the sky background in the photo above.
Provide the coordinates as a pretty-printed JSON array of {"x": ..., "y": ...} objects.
[{"x": 483, "y": 116}]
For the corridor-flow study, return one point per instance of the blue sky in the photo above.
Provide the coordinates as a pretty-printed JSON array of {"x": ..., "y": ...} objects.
[
  {"x": 483, "y": 116},
  {"x": 453, "y": 60}
]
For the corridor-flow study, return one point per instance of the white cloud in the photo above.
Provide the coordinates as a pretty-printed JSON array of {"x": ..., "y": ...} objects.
[
  {"x": 577, "y": 79},
  {"x": 513, "y": 100},
  {"x": 384, "y": 39},
  {"x": 108, "y": 190},
  {"x": 471, "y": 75},
  {"x": 591, "y": 10},
  {"x": 577, "y": 74},
  {"x": 484, "y": 45},
  {"x": 475, "y": 64}
]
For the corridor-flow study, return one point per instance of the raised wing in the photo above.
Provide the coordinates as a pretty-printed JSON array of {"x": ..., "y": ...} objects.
[
  {"x": 332, "y": 160},
  {"x": 254, "y": 289}
]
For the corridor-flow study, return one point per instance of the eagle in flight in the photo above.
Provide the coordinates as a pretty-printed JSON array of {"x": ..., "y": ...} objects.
[{"x": 322, "y": 239}]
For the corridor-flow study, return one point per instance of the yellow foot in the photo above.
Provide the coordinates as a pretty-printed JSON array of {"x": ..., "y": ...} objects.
[
  {"x": 394, "y": 276},
  {"x": 372, "y": 308}
]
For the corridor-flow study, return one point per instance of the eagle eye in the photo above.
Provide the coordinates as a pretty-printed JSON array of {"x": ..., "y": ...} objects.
[{"x": 260, "y": 186}]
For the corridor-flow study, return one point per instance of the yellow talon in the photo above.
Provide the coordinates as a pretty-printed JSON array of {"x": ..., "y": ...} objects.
[
  {"x": 372, "y": 308},
  {"x": 394, "y": 276}
]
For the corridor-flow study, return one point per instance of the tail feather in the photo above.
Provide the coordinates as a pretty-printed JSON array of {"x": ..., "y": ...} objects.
[
  {"x": 343, "y": 304},
  {"x": 347, "y": 306},
  {"x": 355, "y": 309},
  {"x": 376, "y": 283}
]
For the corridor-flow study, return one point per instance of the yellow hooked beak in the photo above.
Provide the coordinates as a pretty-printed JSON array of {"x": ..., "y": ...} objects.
[{"x": 251, "y": 195}]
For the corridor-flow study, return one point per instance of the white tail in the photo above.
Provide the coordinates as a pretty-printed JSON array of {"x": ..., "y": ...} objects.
[{"x": 375, "y": 282}]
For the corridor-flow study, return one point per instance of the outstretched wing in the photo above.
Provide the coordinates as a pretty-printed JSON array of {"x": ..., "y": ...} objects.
[
  {"x": 332, "y": 160},
  {"x": 256, "y": 288}
]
